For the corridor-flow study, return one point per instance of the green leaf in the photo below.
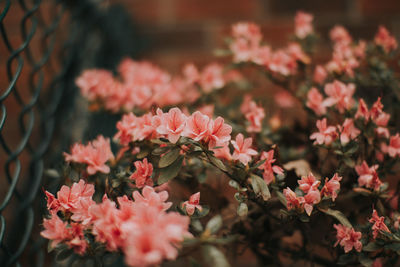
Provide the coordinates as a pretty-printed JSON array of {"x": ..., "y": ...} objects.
[
  {"x": 364, "y": 260},
  {"x": 260, "y": 187},
  {"x": 345, "y": 259},
  {"x": 338, "y": 216},
  {"x": 218, "y": 163},
  {"x": 258, "y": 164},
  {"x": 214, "y": 224},
  {"x": 171, "y": 171},
  {"x": 160, "y": 150},
  {"x": 242, "y": 209},
  {"x": 349, "y": 162},
  {"x": 142, "y": 154},
  {"x": 169, "y": 158},
  {"x": 64, "y": 254},
  {"x": 281, "y": 198},
  {"x": 370, "y": 247},
  {"x": 214, "y": 257}
]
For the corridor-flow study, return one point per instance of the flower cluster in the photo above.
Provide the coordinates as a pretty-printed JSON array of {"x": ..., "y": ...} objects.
[
  {"x": 247, "y": 47},
  {"x": 139, "y": 227},
  {"x": 348, "y": 238},
  {"x": 141, "y": 84},
  {"x": 309, "y": 185}
]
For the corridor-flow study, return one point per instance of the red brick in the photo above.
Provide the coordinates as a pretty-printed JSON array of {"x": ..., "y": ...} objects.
[
  {"x": 317, "y": 7},
  {"x": 143, "y": 11},
  {"x": 200, "y": 10},
  {"x": 379, "y": 8}
]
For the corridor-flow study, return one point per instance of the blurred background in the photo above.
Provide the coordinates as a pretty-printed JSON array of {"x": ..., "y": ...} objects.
[{"x": 45, "y": 44}]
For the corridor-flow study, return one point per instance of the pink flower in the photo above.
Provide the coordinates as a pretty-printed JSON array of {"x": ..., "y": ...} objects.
[
  {"x": 261, "y": 55},
  {"x": 284, "y": 99},
  {"x": 208, "y": 110},
  {"x": 268, "y": 168},
  {"x": 303, "y": 24},
  {"x": 332, "y": 186},
  {"x": 69, "y": 198},
  {"x": 385, "y": 40},
  {"x": 95, "y": 83},
  {"x": 368, "y": 176},
  {"x": 339, "y": 94},
  {"x": 297, "y": 53},
  {"x": 348, "y": 131},
  {"x": 54, "y": 229},
  {"x": 192, "y": 204},
  {"x": 57, "y": 231},
  {"x": 247, "y": 30},
  {"x": 142, "y": 174},
  {"x": 292, "y": 200},
  {"x": 308, "y": 183},
  {"x": 243, "y": 151},
  {"x": 362, "y": 111},
  {"x": 348, "y": 238},
  {"x": 172, "y": 124},
  {"x": 282, "y": 63},
  {"x": 212, "y": 77},
  {"x": 340, "y": 35},
  {"x": 315, "y": 101},
  {"x": 320, "y": 74},
  {"x": 254, "y": 116},
  {"x": 151, "y": 198},
  {"x": 219, "y": 133},
  {"x": 326, "y": 134},
  {"x": 52, "y": 202},
  {"x": 378, "y": 224},
  {"x": 312, "y": 197},
  {"x": 223, "y": 153},
  {"x": 95, "y": 155},
  {"x": 393, "y": 149},
  {"x": 245, "y": 46},
  {"x": 197, "y": 126}
]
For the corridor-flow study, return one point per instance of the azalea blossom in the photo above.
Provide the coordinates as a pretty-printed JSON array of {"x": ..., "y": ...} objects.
[
  {"x": 320, "y": 74},
  {"x": 385, "y": 40},
  {"x": 197, "y": 126},
  {"x": 284, "y": 99},
  {"x": 340, "y": 95},
  {"x": 368, "y": 176},
  {"x": 192, "y": 204},
  {"x": 339, "y": 34},
  {"x": 331, "y": 186},
  {"x": 292, "y": 200},
  {"x": 219, "y": 133},
  {"x": 348, "y": 238},
  {"x": 254, "y": 116},
  {"x": 142, "y": 174},
  {"x": 268, "y": 168},
  {"x": 223, "y": 152},
  {"x": 95, "y": 155},
  {"x": 326, "y": 134},
  {"x": 243, "y": 151},
  {"x": 309, "y": 182},
  {"x": 378, "y": 224},
  {"x": 393, "y": 149},
  {"x": 348, "y": 131},
  {"x": 310, "y": 199},
  {"x": 172, "y": 124},
  {"x": 315, "y": 101},
  {"x": 303, "y": 24}
]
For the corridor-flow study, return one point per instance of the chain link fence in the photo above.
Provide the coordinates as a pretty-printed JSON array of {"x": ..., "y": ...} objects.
[{"x": 44, "y": 45}]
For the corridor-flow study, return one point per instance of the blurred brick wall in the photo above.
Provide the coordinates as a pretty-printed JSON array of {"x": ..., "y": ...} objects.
[{"x": 188, "y": 30}]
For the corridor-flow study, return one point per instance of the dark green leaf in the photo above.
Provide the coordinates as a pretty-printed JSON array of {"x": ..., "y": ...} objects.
[
  {"x": 214, "y": 257},
  {"x": 64, "y": 254},
  {"x": 364, "y": 260},
  {"x": 372, "y": 246},
  {"x": 160, "y": 150},
  {"x": 337, "y": 215},
  {"x": 169, "y": 158},
  {"x": 345, "y": 259},
  {"x": 171, "y": 171},
  {"x": 349, "y": 162},
  {"x": 260, "y": 187},
  {"x": 142, "y": 154},
  {"x": 214, "y": 224},
  {"x": 218, "y": 163}
]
